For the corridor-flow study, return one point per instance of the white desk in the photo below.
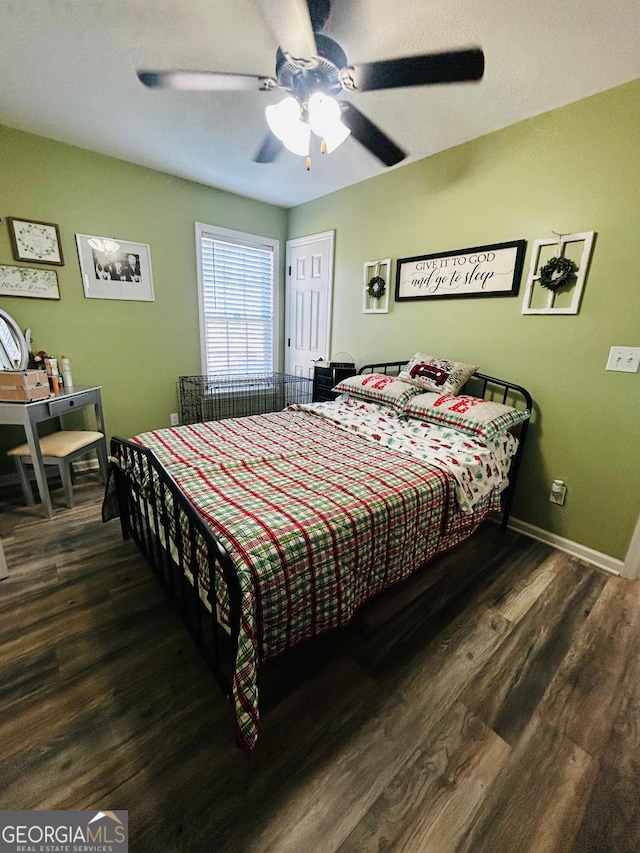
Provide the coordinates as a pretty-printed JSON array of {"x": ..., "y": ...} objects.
[{"x": 30, "y": 414}]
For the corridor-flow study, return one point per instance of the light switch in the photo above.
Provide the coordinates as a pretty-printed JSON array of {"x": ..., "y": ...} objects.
[{"x": 624, "y": 359}]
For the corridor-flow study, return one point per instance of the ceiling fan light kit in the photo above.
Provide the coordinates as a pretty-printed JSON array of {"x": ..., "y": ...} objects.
[
  {"x": 286, "y": 121},
  {"x": 313, "y": 69}
]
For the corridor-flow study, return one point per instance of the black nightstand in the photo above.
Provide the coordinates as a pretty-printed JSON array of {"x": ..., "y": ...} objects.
[{"x": 324, "y": 379}]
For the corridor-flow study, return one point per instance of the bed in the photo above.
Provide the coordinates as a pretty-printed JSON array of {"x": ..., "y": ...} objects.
[{"x": 271, "y": 529}]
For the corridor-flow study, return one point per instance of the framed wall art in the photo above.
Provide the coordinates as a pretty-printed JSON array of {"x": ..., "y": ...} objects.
[
  {"x": 115, "y": 269},
  {"x": 28, "y": 281},
  {"x": 557, "y": 273},
  {"x": 375, "y": 291},
  {"x": 493, "y": 270},
  {"x": 36, "y": 242}
]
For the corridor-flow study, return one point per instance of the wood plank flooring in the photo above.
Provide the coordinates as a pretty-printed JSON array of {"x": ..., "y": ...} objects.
[{"x": 491, "y": 704}]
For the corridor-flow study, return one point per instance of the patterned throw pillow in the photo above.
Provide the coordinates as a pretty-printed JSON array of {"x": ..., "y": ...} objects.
[
  {"x": 471, "y": 415},
  {"x": 378, "y": 388},
  {"x": 437, "y": 374}
]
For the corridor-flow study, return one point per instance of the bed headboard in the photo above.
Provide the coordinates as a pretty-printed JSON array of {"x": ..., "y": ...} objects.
[{"x": 489, "y": 388}]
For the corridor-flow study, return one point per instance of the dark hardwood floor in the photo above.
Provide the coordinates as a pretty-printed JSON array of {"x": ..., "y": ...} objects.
[{"x": 491, "y": 704}]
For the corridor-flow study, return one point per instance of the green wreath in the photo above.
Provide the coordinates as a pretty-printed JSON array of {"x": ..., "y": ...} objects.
[
  {"x": 376, "y": 287},
  {"x": 556, "y": 273}
]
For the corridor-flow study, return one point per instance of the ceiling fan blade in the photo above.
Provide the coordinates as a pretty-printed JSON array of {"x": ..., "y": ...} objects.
[
  {"x": 290, "y": 22},
  {"x": 454, "y": 66},
  {"x": 370, "y": 135},
  {"x": 205, "y": 81},
  {"x": 269, "y": 149}
]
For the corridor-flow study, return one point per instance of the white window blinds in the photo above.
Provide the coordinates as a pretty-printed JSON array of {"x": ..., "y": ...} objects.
[{"x": 237, "y": 284}]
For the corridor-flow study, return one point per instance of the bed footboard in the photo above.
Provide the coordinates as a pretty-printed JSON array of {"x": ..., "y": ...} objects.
[{"x": 193, "y": 567}]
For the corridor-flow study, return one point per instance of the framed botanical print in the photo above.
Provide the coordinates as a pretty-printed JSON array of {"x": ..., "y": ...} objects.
[
  {"x": 28, "y": 281},
  {"x": 36, "y": 242}
]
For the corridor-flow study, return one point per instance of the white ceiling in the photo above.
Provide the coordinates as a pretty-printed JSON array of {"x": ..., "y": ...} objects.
[{"x": 67, "y": 72}]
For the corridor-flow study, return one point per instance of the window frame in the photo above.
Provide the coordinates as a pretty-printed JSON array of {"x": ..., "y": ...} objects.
[{"x": 256, "y": 241}]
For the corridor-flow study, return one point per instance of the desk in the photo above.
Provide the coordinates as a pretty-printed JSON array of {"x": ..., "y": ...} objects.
[{"x": 30, "y": 414}]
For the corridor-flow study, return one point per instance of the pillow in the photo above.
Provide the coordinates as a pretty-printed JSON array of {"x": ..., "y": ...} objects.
[
  {"x": 379, "y": 388},
  {"x": 471, "y": 415},
  {"x": 437, "y": 374}
]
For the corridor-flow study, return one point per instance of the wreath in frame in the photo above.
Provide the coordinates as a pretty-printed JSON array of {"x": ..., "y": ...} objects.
[
  {"x": 556, "y": 273},
  {"x": 376, "y": 287}
]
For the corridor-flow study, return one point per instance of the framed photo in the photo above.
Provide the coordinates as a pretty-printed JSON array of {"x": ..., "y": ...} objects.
[
  {"x": 115, "y": 269},
  {"x": 493, "y": 270},
  {"x": 27, "y": 281},
  {"x": 38, "y": 242}
]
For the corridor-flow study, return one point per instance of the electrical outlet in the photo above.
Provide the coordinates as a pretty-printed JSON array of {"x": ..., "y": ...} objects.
[
  {"x": 558, "y": 492},
  {"x": 173, "y": 419},
  {"x": 624, "y": 359}
]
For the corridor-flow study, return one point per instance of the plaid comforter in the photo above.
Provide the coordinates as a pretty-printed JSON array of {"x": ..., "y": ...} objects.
[{"x": 316, "y": 518}]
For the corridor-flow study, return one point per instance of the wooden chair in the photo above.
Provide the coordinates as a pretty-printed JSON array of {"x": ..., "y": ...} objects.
[{"x": 61, "y": 449}]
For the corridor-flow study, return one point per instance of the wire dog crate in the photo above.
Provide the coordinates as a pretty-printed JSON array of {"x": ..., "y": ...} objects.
[{"x": 212, "y": 398}]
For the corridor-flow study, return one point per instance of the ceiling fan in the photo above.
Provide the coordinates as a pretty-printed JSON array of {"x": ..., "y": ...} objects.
[{"x": 312, "y": 69}]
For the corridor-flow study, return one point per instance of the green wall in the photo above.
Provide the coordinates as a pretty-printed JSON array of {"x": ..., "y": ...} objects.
[
  {"x": 135, "y": 350},
  {"x": 574, "y": 169}
]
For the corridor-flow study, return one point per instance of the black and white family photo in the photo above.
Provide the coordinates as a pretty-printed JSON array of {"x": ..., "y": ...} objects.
[{"x": 116, "y": 266}]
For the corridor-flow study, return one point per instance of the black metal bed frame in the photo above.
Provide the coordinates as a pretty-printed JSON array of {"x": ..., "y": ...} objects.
[
  {"x": 148, "y": 522},
  {"x": 136, "y": 473}
]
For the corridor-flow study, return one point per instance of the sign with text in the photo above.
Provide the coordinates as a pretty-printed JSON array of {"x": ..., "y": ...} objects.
[
  {"x": 64, "y": 831},
  {"x": 27, "y": 281},
  {"x": 481, "y": 271}
]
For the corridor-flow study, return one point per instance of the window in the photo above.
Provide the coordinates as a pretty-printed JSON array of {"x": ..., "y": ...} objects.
[{"x": 237, "y": 275}]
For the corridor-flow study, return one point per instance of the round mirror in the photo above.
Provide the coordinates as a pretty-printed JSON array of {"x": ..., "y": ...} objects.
[{"x": 14, "y": 354}]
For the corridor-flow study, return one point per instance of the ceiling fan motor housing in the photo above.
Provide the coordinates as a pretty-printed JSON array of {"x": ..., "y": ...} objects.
[{"x": 322, "y": 74}]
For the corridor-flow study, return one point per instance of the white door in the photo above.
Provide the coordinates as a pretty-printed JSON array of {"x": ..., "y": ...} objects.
[{"x": 308, "y": 302}]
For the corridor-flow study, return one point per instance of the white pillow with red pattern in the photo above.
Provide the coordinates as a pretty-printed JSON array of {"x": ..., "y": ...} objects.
[
  {"x": 437, "y": 374},
  {"x": 378, "y": 388},
  {"x": 471, "y": 415}
]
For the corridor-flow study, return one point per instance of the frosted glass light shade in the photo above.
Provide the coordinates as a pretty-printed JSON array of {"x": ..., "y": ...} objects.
[
  {"x": 281, "y": 116},
  {"x": 335, "y": 136},
  {"x": 284, "y": 121},
  {"x": 324, "y": 113},
  {"x": 297, "y": 138},
  {"x": 324, "y": 118}
]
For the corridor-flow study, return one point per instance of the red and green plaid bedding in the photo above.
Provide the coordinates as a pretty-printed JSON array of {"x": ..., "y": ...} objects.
[{"x": 316, "y": 518}]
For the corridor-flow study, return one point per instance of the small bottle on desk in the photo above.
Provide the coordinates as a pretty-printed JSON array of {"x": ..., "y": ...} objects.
[{"x": 66, "y": 372}]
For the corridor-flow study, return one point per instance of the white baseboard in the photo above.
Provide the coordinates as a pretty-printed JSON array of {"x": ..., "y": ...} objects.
[{"x": 575, "y": 549}]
